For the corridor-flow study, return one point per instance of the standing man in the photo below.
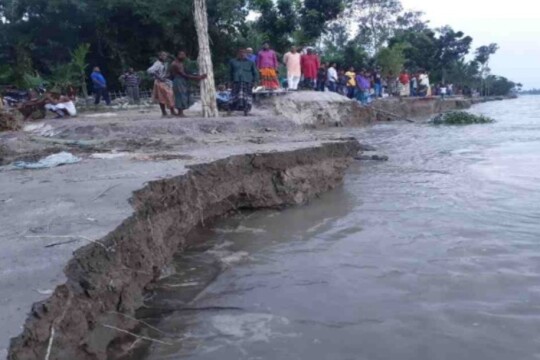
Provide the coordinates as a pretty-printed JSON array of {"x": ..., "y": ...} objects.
[
  {"x": 244, "y": 75},
  {"x": 332, "y": 77},
  {"x": 414, "y": 85},
  {"x": 267, "y": 63},
  {"x": 100, "y": 86},
  {"x": 404, "y": 86},
  {"x": 251, "y": 56},
  {"x": 321, "y": 78},
  {"x": 131, "y": 82},
  {"x": 351, "y": 82},
  {"x": 310, "y": 66},
  {"x": 377, "y": 83},
  {"x": 182, "y": 95},
  {"x": 424, "y": 83},
  {"x": 162, "y": 92},
  {"x": 292, "y": 61}
]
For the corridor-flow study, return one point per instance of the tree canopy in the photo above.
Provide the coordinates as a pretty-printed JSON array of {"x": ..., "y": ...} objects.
[{"x": 40, "y": 38}]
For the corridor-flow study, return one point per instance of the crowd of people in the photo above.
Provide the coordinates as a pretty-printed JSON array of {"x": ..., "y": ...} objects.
[{"x": 248, "y": 71}]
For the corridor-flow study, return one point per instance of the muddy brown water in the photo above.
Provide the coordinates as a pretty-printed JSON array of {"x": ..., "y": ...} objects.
[{"x": 434, "y": 254}]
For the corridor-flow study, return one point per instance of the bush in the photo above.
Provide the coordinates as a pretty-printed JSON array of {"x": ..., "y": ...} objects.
[{"x": 460, "y": 118}]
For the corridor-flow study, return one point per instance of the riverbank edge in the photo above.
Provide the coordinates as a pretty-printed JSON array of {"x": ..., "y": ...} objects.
[
  {"x": 85, "y": 328},
  {"x": 106, "y": 279}
]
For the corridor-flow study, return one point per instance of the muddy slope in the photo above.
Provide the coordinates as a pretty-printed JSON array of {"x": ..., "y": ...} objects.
[{"x": 106, "y": 279}]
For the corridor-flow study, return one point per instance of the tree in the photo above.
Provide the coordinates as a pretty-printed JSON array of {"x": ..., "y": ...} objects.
[
  {"x": 452, "y": 46},
  {"x": 391, "y": 59},
  {"x": 483, "y": 54},
  {"x": 315, "y": 14},
  {"x": 499, "y": 85},
  {"x": 377, "y": 21},
  {"x": 208, "y": 88},
  {"x": 420, "y": 50}
]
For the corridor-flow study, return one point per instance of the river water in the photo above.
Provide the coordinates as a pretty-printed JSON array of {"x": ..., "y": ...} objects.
[{"x": 434, "y": 254}]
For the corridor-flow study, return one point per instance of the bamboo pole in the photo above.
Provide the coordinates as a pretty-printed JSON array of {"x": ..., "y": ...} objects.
[{"x": 208, "y": 88}]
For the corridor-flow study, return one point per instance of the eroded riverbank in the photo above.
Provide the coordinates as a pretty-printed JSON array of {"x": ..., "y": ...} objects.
[{"x": 195, "y": 169}]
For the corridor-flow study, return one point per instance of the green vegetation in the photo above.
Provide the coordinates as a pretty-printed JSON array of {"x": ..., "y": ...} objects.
[
  {"x": 62, "y": 40},
  {"x": 460, "y": 118}
]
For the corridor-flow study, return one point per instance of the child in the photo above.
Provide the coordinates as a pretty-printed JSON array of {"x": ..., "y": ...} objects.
[{"x": 223, "y": 97}]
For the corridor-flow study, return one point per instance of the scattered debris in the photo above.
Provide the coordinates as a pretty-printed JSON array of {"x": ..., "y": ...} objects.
[
  {"x": 366, "y": 147},
  {"x": 374, "y": 157},
  {"x": 62, "y": 158},
  {"x": 45, "y": 292},
  {"x": 62, "y": 243}
]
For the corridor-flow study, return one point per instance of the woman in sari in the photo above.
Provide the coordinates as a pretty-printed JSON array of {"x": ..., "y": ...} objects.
[{"x": 267, "y": 63}]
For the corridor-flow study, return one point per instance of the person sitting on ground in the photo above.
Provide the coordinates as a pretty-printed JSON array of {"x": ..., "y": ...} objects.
[
  {"x": 131, "y": 82},
  {"x": 162, "y": 92},
  {"x": 223, "y": 97},
  {"x": 182, "y": 94},
  {"x": 60, "y": 105}
]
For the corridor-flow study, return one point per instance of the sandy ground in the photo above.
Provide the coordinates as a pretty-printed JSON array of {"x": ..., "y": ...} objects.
[{"x": 47, "y": 214}]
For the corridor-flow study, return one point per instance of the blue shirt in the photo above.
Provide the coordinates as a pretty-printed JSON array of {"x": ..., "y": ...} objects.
[
  {"x": 98, "y": 80},
  {"x": 252, "y": 57}
]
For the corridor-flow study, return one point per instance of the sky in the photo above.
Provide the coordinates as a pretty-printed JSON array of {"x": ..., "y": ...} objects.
[{"x": 514, "y": 25}]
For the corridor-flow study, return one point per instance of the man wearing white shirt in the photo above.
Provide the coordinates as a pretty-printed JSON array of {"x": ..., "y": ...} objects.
[
  {"x": 332, "y": 77},
  {"x": 294, "y": 70}
]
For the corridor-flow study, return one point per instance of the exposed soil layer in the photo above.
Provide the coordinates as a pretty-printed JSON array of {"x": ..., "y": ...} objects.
[
  {"x": 45, "y": 215},
  {"x": 106, "y": 279}
]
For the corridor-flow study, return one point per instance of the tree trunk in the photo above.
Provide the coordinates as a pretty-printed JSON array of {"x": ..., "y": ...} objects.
[{"x": 208, "y": 88}]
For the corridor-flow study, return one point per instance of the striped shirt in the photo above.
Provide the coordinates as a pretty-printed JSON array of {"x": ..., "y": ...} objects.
[{"x": 130, "y": 79}]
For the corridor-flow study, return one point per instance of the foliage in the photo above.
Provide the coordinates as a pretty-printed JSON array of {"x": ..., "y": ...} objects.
[
  {"x": 284, "y": 22},
  {"x": 483, "y": 54},
  {"x": 43, "y": 36},
  {"x": 499, "y": 86},
  {"x": 32, "y": 81},
  {"x": 391, "y": 59},
  {"x": 460, "y": 118},
  {"x": 452, "y": 46}
]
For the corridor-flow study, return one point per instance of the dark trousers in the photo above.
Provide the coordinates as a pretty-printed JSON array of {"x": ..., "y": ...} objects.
[
  {"x": 351, "y": 92},
  {"x": 332, "y": 86},
  {"x": 133, "y": 94},
  {"x": 99, "y": 93},
  {"x": 321, "y": 85}
]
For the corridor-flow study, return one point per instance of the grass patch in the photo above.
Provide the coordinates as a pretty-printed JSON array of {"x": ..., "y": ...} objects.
[{"x": 460, "y": 118}]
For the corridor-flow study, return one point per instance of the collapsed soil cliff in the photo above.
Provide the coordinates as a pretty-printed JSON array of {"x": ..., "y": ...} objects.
[{"x": 106, "y": 279}]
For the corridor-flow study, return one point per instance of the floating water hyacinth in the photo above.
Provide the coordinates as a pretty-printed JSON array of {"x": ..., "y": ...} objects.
[{"x": 460, "y": 118}]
